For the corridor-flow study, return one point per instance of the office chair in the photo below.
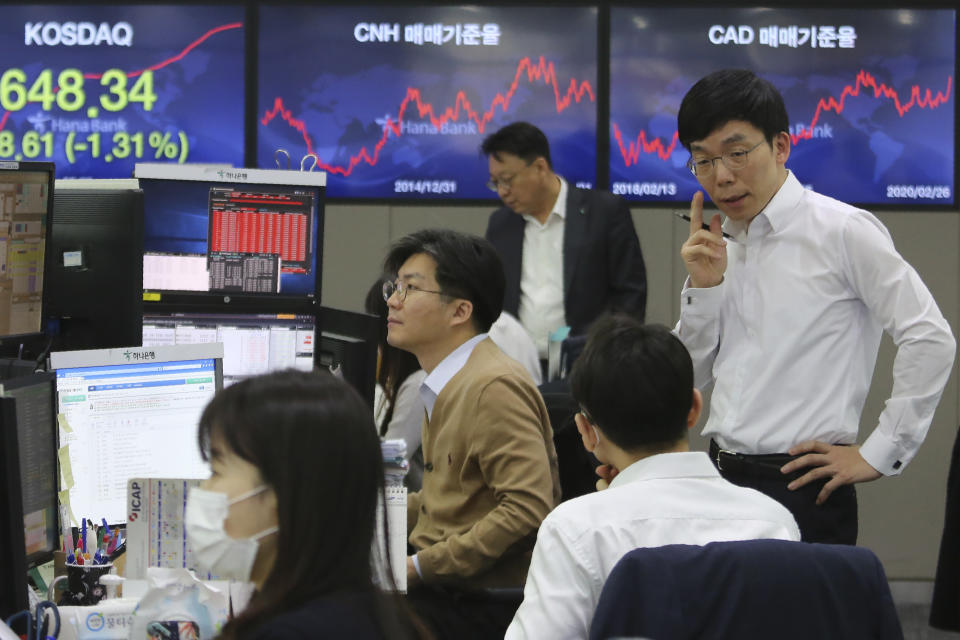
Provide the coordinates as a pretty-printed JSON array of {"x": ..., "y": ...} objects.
[
  {"x": 576, "y": 466},
  {"x": 747, "y": 589}
]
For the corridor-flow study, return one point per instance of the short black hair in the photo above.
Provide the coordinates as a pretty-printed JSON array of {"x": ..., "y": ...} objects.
[
  {"x": 521, "y": 139},
  {"x": 468, "y": 267},
  {"x": 731, "y": 94},
  {"x": 635, "y": 382}
]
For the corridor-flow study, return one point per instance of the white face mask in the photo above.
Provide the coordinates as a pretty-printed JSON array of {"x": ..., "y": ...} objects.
[{"x": 214, "y": 550}]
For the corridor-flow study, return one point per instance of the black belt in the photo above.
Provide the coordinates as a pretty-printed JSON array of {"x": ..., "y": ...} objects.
[{"x": 759, "y": 466}]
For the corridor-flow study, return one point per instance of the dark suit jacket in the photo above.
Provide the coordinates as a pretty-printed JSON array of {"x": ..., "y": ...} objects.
[
  {"x": 747, "y": 589},
  {"x": 602, "y": 263}
]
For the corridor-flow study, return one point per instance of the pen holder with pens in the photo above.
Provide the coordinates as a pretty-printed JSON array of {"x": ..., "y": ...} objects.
[{"x": 83, "y": 584}]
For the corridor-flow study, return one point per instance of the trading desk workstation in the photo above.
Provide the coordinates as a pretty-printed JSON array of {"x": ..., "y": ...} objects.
[
  {"x": 124, "y": 306},
  {"x": 142, "y": 266}
]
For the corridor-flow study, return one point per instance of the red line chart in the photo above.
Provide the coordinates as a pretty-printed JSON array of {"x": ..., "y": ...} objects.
[
  {"x": 177, "y": 58},
  {"x": 180, "y": 56},
  {"x": 866, "y": 80},
  {"x": 541, "y": 71},
  {"x": 631, "y": 151},
  {"x": 918, "y": 97}
]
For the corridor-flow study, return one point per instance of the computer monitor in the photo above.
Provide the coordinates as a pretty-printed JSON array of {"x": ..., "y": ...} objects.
[
  {"x": 93, "y": 297},
  {"x": 26, "y": 203},
  {"x": 130, "y": 413},
  {"x": 232, "y": 231},
  {"x": 13, "y": 560},
  {"x": 253, "y": 343},
  {"x": 348, "y": 345},
  {"x": 33, "y": 396},
  {"x": 28, "y": 484}
]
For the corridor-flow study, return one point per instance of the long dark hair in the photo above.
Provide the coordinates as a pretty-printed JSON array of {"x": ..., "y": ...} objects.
[
  {"x": 395, "y": 364},
  {"x": 312, "y": 438}
]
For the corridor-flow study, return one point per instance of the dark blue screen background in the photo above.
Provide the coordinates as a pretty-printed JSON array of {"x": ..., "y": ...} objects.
[
  {"x": 868, "y": 153},
  {"x": 339, "y": 92},
  {"x": 176, "y": 220},
  {"x": 200, "y": 94}
]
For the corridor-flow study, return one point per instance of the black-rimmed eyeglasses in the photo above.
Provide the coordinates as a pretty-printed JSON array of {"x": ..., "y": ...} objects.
[
  {"x": 401, "y": 289},
  {"x": 495, "y": 184},
  {"x": 734, "y": 160}
]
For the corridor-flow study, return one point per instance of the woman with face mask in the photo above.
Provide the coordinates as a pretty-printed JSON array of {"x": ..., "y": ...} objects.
[{"x": 291, "y": 505}]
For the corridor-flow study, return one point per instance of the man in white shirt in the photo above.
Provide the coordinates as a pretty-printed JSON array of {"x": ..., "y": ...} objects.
[
  {"x": 490, "y": 468},
  {"x": 785, "y": 317},
  {"x": 513, "y": 340},
  {"x": 634, "y": 384},
  {"x": 568, "y": 253}
]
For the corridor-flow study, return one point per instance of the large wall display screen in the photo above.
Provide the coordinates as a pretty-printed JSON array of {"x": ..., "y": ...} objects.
[
  {"x": 97, "y": 88},
  {"x": 395, "y": 101},
  {"x": 869, "y": 92}
]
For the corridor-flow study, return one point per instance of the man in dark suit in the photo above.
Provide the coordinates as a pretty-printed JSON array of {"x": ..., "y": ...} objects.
[{"x": 568, "y": 253}]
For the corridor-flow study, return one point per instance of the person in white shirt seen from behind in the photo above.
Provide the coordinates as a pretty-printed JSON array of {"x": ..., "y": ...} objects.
[{"x": 634, "y": 384}]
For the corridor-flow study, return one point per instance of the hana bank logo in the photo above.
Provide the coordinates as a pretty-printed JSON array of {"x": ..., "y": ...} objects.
[{"x": 236, "y": 176}]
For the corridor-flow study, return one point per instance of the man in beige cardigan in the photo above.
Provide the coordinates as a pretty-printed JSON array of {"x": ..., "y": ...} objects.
[{"x": 490, "y": 468}]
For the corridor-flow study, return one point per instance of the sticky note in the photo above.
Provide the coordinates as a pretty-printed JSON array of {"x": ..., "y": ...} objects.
[
  {"x": 66, "y": 471},
  {"x": 65, "y": 501},
  {"x": 62, "y": 421}
]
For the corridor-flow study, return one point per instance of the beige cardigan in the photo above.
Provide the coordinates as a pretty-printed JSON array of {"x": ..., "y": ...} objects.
[{"x": 490, "y": 475}]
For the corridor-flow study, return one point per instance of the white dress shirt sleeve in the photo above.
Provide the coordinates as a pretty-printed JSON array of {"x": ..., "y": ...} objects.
[
  {"x": 893, "y": 292},
  {"x": 699, "y": 328},
  {"x": 407, "y": 420},
  {"x": 508, "y": 334},
  {"x": 561, "y": 591}
]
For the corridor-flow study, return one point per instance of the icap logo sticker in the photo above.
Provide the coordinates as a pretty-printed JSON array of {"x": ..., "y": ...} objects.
[{"x": 95, "y": 621}]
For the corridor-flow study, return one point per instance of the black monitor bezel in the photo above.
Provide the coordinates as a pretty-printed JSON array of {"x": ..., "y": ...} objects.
[
  {"x": 36, "y": 379},
  {"x": 356, "y": 326},
  {"x": 13, "y": 588},
  {"x": 53, "y": 265}
]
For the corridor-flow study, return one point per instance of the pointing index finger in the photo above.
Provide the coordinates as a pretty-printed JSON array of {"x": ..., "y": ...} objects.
[{"x": 696, "y": 212}]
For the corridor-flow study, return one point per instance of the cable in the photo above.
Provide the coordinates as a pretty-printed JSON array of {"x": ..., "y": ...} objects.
[
  {"x": 21, "y": 614},
  {"x": 43, "y": 354}
]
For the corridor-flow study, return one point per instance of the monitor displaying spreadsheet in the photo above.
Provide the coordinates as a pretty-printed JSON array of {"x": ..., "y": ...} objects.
[{"x": 130, "y": 413}]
